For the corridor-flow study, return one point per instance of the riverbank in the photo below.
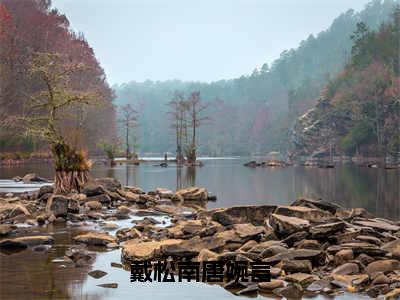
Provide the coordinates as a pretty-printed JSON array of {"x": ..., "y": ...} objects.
[{"x": 313, "y": 246}]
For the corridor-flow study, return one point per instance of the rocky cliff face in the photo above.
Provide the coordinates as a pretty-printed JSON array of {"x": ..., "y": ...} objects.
[{"x": 313, "y": 133}]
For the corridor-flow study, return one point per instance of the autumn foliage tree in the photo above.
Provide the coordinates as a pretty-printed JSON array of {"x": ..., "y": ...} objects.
[
  {"x": 28, "y": 28},
  {"x": 45, "y": 110}
]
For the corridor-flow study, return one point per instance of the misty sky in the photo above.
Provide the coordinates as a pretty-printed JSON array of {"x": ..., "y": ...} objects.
[{"x": 203, "y": 40}]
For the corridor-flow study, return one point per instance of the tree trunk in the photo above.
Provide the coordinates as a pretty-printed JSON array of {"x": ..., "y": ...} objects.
[
  {"x": 127, "y": 142},
  {"x": 67, "y": 182}
]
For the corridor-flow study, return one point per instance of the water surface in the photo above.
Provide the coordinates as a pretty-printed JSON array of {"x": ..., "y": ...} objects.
[{"x": 32, "y": 275}]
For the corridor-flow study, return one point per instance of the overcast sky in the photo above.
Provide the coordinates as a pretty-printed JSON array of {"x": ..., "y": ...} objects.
[{"x": 203, "y": 40}]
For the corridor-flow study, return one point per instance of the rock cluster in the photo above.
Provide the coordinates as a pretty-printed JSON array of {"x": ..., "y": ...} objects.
[{"x": 313, "y": 247}]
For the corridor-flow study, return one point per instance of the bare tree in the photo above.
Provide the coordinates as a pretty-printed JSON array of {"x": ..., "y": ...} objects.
[
  {"x": 195, "y": 108},
  {"x": 128, "y": 120},
  {"x": 45, "y": 110},
  {"x": 178, "y": 112}
]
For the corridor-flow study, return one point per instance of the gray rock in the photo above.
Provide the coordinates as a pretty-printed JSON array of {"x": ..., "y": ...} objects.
[
  {"x": 58, "y": 205},
  {"x": 46, "y": 189},
  {"x": 109, "y": 285},
  {"x": 91, "y": 189},
  {"x": 97, "y": 274},
  {"x": 110, "y": 184}
]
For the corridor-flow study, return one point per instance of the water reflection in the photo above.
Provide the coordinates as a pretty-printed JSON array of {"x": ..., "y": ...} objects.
[
  {"x": 189, "y": 177},
  {"x": 33, "y": 275},
  {"x": 377, "y": 190}
]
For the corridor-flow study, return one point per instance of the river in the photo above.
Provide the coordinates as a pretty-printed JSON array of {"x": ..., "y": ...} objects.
[{"x": 34, "y": 275}]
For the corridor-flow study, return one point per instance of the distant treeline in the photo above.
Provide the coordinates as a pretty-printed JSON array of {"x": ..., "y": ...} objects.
[{"x": 254, "y": 113}]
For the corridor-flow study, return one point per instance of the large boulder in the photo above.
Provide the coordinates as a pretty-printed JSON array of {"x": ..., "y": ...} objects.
[
  {"x": 138, "y": 250},
  {"x": 45, "y": 189},
  {"x": 192, "y": 247},
  {"x": 189, "y": 228},
  {"x": 255, "y": 215},
  {"x": 325, "y": 230},
  {"x": 93, "y": 205},
  {"x": 386, "y": 265},
  {"x": 319, "y": 204},
  {"x": 92, "y": 189},
  {"x": 284, "y": 225},
  {"x": 95, "y": 238},
  {"x": 57, "y": 205},
  {"x": 248, "y": 231},
  {"x": 296, "y": 266},
  {"x": 306, "y": 213},
  {"x": 127, "y": 234},
  {"x": 347, "y": 269},
  {"x": 377, "y": 224},
  {"x": 26, "y": 241},
  {"x": 359, "y": 248},
  {"x": 193, "y": 194},
  {"x": 129, "y": 196},
  {"x": 110, "y": 184},
  {"x": 164, "y": 193}
]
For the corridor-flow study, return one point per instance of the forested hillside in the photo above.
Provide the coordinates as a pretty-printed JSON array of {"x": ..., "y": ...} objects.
[
  {"x": 359, "y": 111},
  {"x": 30, "y": 29},
  {"x": 254, "y": 113}
]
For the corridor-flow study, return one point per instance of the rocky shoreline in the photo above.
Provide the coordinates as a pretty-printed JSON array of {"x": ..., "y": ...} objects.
[{"x": 313, "y": 247}]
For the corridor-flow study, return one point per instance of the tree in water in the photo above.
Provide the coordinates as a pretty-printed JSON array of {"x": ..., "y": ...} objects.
[
  {"x": 195, "y": 109},
  {"x": 178, "y": 112},
  {"x": 50, "y": 104},
  {"x": 128, "y": 120}
]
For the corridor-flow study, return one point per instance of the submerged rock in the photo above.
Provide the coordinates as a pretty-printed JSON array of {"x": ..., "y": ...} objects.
[
  {"x": 97, "y": 274},
  {"x": 26, "y": 241},
  {"x": 109, "y": 285},
  {"x": 33, "y": 178}
]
